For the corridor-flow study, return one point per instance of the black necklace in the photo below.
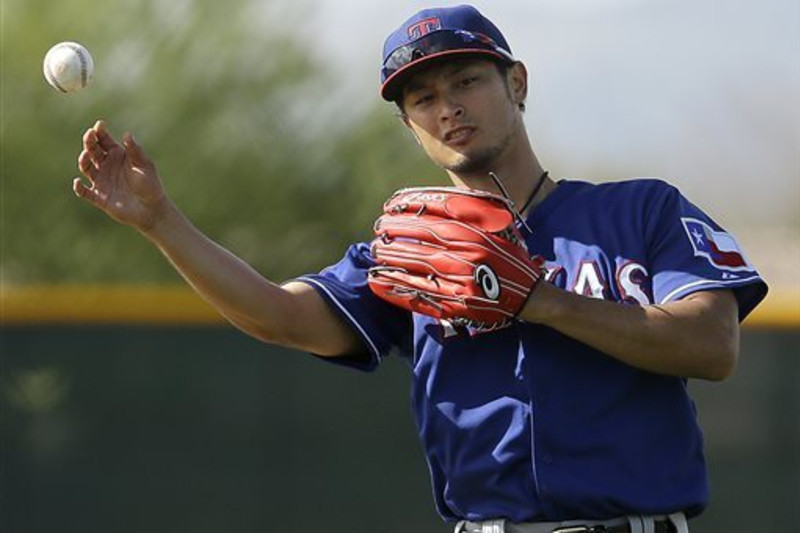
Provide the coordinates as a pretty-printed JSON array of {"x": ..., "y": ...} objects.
[{"x": 535, "y": 191}]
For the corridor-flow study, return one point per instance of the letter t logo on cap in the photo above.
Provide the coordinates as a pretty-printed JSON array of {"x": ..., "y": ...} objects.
[{"x": 423, "y": 27}]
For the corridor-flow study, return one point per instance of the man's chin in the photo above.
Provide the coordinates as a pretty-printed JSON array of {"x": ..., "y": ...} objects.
[{"x": 470, "y": 165}]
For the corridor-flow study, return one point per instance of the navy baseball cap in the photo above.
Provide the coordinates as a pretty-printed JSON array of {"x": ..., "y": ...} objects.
[{"x": 436, "y": 33}]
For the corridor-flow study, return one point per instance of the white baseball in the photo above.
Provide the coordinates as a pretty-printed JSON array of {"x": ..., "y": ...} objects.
[{"x": 68, "y": 66}]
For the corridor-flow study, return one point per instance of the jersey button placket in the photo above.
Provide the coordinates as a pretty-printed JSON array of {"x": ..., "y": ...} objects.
[{"x": 542, "y": 458}]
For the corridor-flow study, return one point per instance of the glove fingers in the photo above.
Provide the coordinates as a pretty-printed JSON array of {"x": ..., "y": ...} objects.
[
  {"x": 509, "y": 260},
  {"x": 450, "y": 234},
  {"x": 483, "y": 210},
  {"x": 438, "y": 300},
  {"x": 438, "y": 288},
  {"x": 412, "y": 292},
  {"x": 458, "y": 268},
  {"x": 424, "y": 259},
  {"x": 429, "y": 229},
  {"x": 449, "y": 274}
]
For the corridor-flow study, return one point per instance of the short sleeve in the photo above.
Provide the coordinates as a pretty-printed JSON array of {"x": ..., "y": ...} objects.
[
  {"x": 381, "y": 326},
  {"x": 689, "y": 252}
]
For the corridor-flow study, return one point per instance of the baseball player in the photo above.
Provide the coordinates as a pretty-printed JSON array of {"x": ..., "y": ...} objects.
[{"x": 551, "y": 325}]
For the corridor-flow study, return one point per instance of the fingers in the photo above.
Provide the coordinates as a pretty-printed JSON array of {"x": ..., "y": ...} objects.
[
  {"x": 91, "y": 147},
  {"x": 104, "y": 138},
  {"x": 97, "y": 141},
  {"x": 135, "y": 151},
  {"x": 88, "y": 165},
  {"x": 84, "y": 192},
  {"x": 79, "y": 188}
]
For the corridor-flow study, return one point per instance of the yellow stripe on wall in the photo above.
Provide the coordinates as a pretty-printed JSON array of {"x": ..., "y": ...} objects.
[
  {"x": 179, "y": 305},
  {"x": 780, "y": 309},
  {"x": 112, "y": 304}
]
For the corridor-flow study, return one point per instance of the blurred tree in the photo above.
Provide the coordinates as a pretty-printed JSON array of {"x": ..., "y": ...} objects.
[{"x": 226, "y": 99}]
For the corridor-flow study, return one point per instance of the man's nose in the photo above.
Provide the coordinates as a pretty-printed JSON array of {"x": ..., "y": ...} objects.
[{"x": 451, "y": 108}]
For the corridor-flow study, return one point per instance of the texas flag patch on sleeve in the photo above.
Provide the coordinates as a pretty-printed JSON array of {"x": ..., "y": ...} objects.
[{"x": 718, "y": 247}]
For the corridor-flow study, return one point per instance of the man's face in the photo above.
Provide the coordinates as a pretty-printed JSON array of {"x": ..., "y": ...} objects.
[{"x": 464, "y": 114}]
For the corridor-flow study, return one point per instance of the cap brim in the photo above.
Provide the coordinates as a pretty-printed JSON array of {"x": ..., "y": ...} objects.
[{"x": 391, "y": 86}]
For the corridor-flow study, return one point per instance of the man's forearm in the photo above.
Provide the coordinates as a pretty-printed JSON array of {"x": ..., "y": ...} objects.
[
  {"x": 696, "y": 337},
  {"x": 247, "y": 299}
]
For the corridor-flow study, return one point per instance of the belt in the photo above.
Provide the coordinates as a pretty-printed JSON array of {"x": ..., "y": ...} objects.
[{"x": 661, "y": 524}]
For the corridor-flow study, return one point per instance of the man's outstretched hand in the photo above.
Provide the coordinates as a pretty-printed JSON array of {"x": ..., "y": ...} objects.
[{"x": 123, "y": 182}]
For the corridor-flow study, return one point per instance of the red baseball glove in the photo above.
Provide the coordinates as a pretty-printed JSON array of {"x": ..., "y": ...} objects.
[{"x": 454, "y": 254}]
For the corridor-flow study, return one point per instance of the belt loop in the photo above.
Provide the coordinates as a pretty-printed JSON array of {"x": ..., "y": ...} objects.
[
  {"x": 487, "y": 526},
  {"x": 679, "y": 521},
  {"x": 636, "y": 524},
  {"x": 493, "y": 526}
]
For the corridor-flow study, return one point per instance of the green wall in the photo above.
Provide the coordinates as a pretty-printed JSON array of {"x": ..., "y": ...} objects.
[{"x": 133, "y": 429}]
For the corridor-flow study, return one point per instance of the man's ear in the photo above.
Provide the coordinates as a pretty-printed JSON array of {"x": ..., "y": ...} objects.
[
  {"x": 402, "y": 116},
  {"x": 518, "y": 83}
]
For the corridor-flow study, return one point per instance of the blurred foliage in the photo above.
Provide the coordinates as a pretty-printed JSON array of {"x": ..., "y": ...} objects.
[
  {"x": 37, "y": 390},
  {"x": 230, "y": 104}
]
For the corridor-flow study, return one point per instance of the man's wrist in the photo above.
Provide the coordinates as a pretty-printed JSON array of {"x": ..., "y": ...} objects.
[
  {"x": 165, "y": 217},
  {"x": 543, "y": 304}
]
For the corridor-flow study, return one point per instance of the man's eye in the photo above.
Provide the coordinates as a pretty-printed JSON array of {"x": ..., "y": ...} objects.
[
  {"x": 469, "y": 80},
  {"x": 423, "y": 99}
]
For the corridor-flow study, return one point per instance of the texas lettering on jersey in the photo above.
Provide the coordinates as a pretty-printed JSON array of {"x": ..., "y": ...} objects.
[
  {"x": 588, "y": 271},
  {"x": 630, "y": 281}
]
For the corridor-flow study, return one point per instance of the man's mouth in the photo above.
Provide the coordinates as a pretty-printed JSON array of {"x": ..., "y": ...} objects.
[{"x": 459, "y": 135}]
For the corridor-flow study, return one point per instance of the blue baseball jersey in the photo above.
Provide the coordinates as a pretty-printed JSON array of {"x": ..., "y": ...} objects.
[{"x": 528, "y": 424}]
